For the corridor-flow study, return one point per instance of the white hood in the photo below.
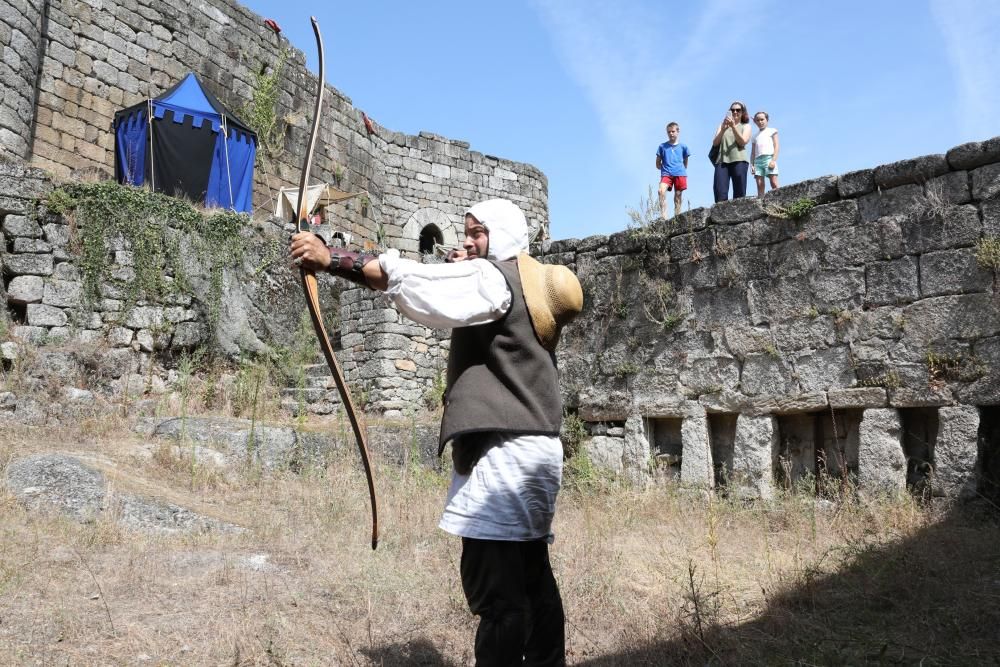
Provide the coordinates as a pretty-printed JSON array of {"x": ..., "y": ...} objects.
[{"x": 507, "y": 227}]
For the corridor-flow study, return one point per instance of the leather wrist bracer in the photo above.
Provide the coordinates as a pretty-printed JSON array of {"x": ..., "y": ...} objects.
[{"x": 349, "y": 265}]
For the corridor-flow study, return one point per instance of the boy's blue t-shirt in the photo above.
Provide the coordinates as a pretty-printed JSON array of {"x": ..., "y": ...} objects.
[{"x": 672, "y": 158}]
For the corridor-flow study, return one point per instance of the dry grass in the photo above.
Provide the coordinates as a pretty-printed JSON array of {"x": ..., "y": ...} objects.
[{"x": 647, "y": 577}]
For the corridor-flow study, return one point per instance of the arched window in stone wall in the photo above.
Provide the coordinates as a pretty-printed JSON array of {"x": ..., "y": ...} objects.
[
  {"x": 426, "y": 227},
  {"x": 430, "y": 235}
]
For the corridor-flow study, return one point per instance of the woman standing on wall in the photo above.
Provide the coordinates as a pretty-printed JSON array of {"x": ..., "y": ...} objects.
[{"x": 733, "y": 162}]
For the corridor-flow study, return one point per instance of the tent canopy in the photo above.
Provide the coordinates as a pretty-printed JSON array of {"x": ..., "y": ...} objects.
[
  {"x": 194, "y": 147},
  {"x": 321, "y": 194}
]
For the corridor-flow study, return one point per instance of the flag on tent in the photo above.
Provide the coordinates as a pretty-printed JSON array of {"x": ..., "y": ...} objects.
[{"x": 194, "y": 147}]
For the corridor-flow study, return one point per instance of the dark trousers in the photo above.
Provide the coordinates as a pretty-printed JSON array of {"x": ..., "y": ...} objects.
[
  {"x": 510, "y": 586},
  {"x": 730, "y": 171}
]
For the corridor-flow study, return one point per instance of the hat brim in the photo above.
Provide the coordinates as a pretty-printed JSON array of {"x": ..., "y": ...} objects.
[{"x": 532, "y": 275}]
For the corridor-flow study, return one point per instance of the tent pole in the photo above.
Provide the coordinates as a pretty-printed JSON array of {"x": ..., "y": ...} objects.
[
  {"x": 152, "y": 164},
  {"x": 229, "y": 172}
]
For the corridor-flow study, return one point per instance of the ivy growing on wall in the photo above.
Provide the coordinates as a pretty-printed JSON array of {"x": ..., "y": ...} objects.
[{"x": 158, "y": 230}]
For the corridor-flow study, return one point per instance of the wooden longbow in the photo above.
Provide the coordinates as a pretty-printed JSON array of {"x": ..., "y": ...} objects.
[{"x": 312, "y": 295}]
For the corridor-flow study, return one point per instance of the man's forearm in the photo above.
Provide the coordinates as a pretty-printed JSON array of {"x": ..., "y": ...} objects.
[{"x": 358, "y": 268}]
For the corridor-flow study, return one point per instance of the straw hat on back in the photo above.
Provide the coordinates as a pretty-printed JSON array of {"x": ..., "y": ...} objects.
[{"x": 553, "y": 296}]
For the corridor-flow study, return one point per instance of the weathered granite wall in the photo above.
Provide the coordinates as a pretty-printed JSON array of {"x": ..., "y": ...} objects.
[
  {"x": 21, "y": 24},
  {"x": 258, "y": 303},
  {"x": 804, "y": 329},
  {"x": 104, "y": 55}
]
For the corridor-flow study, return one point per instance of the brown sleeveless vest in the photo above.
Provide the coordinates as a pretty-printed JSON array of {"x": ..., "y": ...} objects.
[{"x": 500, "y": 378}]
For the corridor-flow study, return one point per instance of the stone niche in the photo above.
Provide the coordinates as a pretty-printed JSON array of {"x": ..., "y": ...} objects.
[
  {"x": 989, "y": 452},
  {"x": 666, "y": 444},
  {"x": 722, "y": 436},
  {"x": 920, "y": 429},
  {"x": 818, "y": 447}
]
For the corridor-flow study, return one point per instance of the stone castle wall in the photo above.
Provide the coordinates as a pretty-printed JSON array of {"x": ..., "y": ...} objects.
[
  {"x": 20, "y": 34},
  {"x": 103, "y": 55},
  {"x": 862, "y": 339}
]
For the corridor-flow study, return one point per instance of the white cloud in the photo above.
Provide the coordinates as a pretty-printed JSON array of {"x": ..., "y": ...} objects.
[
  {"x": 971, "y": 30},
  {"x": 641, "y": 64}
]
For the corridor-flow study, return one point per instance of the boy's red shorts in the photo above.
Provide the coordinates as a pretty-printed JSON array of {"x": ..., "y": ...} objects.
[{"x": 678, "y": 182}]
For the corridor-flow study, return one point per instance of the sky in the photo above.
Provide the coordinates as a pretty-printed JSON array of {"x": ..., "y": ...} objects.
[{"x": 583, "y": 89}]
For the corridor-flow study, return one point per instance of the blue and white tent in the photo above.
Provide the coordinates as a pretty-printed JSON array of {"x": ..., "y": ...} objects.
[{"x": 193, "y": 147}]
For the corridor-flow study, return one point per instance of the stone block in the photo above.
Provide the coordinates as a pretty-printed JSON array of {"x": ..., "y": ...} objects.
[
  {"x": 950, "y": 188},
  {"x": 956, "y": 451},
  {"x": 732, "y": 211},
  {"x": 821, "y": 370},
  {"x": 991, "y": 218},
  {"x": 603, "y": 403},
  {"x": 831, "y": 216},
  {"x": 570, "y": 245},
  {"x": 773, "y": 230},
  {"x": 625, "y": 243},
  {"x": 56, "y": 233},
  {"x": 19, "y": 225},
  {"x": 706, "y": 375},
  {"x": 703, "y": 273},
  {"x": 974, "y": 154},
  {"x": 40, "y": 315},
  {"x": 792, "y": 258},
  {"x": 984, "y": 390},
  {"x": 754, "y": 452},
  {"x": 62, "y": 293},
  {"x": 837, "y": 289},
  {"x": 805, "y": 332},
  {"x": 28, "y": 265},
  {"x": 953, "y": 272},
  {"x": 776, "y": 300},
  {"x": 767, "y": 374},
  {"x": 788, "y": 405},
  {"x": 856, "y": 183},
  {"x": 881, "y": 462},
  {"x": 913, "y": 170},
  {"x": 30, "y": 334},
  {"x": 902, "y": 200},
  {"x": 728, "y": 239},
  {"x": 692, "y": 245},
  {"x": 986, "y": 182},
  {"x": 821, "y": 190},
  {"x": 857, "y": 397},
  {"x": 145, "y": 342},
  {"x": 36, "y": 246},
  {"x": 119, "y": 336},
  {"x": 25, "y": 289},
  {"x": 854, "y": 246},
  {"x": 145, "y": 317},
  {"x": 965, "y": 316},
  {"x": 719, "y": 307},
  {"x": 697, "y": 469},
  {"x": 745, "y": 264},
  {"x": 893, "y": 282},
  {"x": 188, "y": 335},
  {"x": 950, "y": 227},
  {"x": 693, "y": 220},
  {"x": 636, "y": 451},
  {"x": 606, "y": 453}
]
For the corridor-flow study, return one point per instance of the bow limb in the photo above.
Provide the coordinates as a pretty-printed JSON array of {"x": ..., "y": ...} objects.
[{"x": 312, "y": 298}]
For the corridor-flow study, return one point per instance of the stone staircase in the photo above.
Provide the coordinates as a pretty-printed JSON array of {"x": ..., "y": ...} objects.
[{"x": 318, "y": 395}]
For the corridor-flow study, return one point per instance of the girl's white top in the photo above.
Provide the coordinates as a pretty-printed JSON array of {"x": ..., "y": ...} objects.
[
  {"x": 765, "y": 141},
  {"x": 511, "y": 492}
]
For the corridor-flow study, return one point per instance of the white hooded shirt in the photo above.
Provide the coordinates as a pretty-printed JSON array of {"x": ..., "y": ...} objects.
[{"x": 511, "y": 492}]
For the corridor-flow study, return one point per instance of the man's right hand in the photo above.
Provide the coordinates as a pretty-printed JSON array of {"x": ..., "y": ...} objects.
[{"x": 457, "y": 255}]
